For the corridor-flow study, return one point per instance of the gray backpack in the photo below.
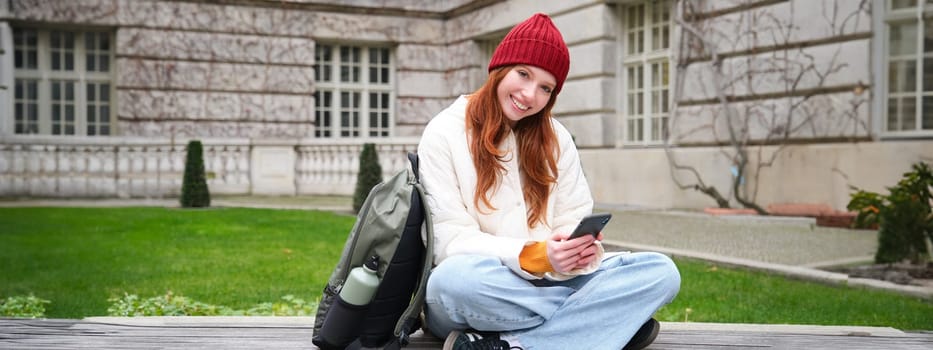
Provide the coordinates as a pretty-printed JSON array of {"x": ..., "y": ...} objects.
[{"x": 389, "y": 225}]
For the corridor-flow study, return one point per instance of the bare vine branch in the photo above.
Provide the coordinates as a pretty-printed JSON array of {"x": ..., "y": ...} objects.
[{"x": 769, "y": 98}]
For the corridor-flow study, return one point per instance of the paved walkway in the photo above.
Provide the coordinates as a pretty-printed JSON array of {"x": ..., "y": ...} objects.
[
  {"x": 785, "y": 245},
  {"x": 792, "y": 246}
]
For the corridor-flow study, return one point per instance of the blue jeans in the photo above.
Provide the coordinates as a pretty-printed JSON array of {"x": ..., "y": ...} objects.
[{"x": 602, "y": 310}]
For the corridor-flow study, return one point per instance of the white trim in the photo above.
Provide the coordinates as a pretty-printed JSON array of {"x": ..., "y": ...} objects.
[
  {"x": 363, "y": 87},
  {"x": 487, "y": 46},
  {"x": 879, "y": 72},
  {"x": 79, "y": 77},
  {"x": 643, "y": 61},
  {"x": 882, "y": 20},
  {"x": 6, "y": 78}
]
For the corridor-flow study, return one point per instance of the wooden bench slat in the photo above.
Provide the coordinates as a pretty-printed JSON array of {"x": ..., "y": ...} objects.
[{"x": 212, "y": 333}]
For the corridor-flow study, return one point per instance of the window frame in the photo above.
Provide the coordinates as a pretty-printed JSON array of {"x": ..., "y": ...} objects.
[
  {"x": 485, "y": 46},
  {"x": 646, "y": 134},
  {"x": 882, "y": 58},
  {"x": 360, "y": 118},
  {"x": 80, "y": 78}
]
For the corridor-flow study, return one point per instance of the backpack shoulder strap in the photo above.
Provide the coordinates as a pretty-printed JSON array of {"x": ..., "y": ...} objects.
[
  {"x": 413, "y": 158},
  {"x": 406, "y": 323}
]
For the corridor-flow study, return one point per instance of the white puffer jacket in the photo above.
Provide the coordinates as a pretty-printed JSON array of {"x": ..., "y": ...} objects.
[{"x": 449, "y": 178}]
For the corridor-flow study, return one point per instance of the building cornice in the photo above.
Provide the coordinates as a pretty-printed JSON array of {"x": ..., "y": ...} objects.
[{"x": 383, "y": 8}]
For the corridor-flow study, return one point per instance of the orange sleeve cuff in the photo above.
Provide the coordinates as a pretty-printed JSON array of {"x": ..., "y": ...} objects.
[{"x": 533, "y": 258}]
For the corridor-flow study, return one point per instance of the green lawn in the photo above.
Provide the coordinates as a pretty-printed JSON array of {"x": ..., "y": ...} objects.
[
  {"x": 717, "y": 294},
  {"x": 80, "y": 257}
]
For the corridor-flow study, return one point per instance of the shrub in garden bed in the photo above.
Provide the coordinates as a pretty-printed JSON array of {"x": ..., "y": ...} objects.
[{"x": 904, "y": 216}]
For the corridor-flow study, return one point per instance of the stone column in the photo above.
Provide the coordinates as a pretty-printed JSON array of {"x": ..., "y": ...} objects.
[{"x": 273, "y": 167}]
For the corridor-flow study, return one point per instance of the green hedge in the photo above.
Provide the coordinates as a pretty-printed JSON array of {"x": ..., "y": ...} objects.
[
  {"x": 194, "y": 192},
  {"x": 370, "y": 175}
]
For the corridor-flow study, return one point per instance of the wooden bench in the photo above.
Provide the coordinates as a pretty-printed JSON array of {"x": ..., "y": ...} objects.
[{"x": 295, "y": 333}]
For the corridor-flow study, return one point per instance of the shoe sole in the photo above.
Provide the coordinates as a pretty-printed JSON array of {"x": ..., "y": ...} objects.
[
  {"x": 655, "y": 329},
  {"x": 451, "y": 339}
]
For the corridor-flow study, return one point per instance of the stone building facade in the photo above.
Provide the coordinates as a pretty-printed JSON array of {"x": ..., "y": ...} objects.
[{"x": 99, "y": 97}]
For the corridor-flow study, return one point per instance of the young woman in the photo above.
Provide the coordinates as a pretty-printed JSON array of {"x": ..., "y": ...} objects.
[{"x": 506, "y": 189}]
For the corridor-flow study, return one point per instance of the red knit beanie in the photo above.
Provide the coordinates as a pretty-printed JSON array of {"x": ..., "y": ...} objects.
[{"x": 536, "y": 42}]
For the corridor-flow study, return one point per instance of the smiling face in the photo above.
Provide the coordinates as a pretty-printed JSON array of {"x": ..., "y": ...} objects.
[{"x": 524, "y": 92}]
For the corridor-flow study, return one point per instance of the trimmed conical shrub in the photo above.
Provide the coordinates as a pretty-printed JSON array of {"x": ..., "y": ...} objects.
[
  {"x": 194, "y": 193},
  {"x": 370, "y": 174}
]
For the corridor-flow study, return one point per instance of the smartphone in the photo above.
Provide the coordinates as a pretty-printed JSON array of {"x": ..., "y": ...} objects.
[{"x": 592, "y": 224}]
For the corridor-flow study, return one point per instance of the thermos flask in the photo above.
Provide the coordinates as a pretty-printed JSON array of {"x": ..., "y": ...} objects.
[{"x": 342, "y": 323}]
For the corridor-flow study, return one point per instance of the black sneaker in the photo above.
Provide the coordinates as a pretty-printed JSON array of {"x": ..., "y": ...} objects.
[
  {"x": 644, "y": 336},
  {"x": 458, "y": 340}
]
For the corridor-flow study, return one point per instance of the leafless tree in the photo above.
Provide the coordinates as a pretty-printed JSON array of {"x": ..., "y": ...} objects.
[{"x": 751, "y": 85}]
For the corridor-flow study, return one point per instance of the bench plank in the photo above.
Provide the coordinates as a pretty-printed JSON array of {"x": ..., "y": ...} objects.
[{"x": 280, "y": 333}]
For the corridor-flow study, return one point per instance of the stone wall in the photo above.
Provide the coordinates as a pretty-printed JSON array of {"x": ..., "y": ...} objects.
[
  {"x": 242, "y": 72},
  {"x": 205, "y": 69},
  {"x": 803, "y": 173},
  {"x": 239, "y": 75},
  {"x": 198, "y": 69},
  {"x": 794, "y": 70}
]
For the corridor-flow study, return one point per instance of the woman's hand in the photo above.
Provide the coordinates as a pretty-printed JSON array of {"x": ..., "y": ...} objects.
[{"x": 566, "y": 256}]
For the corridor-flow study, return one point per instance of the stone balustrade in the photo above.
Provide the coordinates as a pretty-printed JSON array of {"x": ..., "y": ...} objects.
[
  {"x": 330, "y": 167},
  {"x": 43, "y": 166}
]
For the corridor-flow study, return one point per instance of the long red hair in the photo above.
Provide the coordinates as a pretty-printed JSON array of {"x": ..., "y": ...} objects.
[{"x": 488, "y": 126}]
